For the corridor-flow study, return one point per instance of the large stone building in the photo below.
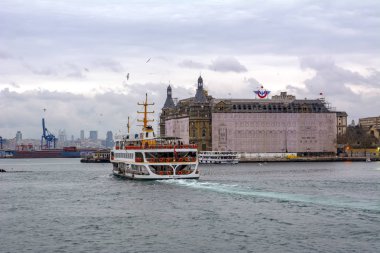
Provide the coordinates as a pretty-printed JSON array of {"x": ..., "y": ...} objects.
[
  {"x": 367, "y": 123},
  {"x": 190, "y": 119},
  {"x": 280, "y": 124},
  {"x": 371, "y": 125}
]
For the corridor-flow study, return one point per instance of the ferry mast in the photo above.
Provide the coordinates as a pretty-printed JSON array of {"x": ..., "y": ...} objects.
[{"x": 145, "y": 112}]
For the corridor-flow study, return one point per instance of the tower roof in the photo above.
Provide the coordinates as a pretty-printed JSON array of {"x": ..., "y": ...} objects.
[
  {"x": 200, "y": 96},
  {"x": 169, "y": 103}
]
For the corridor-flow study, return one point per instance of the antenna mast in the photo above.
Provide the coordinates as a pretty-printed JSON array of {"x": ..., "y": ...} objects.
[
  {"x": 128, "y": 126},
  {"x": 145, "y": 112}
]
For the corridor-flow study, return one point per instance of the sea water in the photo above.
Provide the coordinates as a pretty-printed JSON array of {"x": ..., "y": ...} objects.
[{"x": 62, "y": 205}]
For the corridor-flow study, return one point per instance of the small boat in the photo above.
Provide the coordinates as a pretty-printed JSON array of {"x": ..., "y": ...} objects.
[
  {"x": 219, "y": 157},
  {"x": 98, "y": 156},
  {"x": 367, "y": 160},
  {"x": 144, "y": 156}
]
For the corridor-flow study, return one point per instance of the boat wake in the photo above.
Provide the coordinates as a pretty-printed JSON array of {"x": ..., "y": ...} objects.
[{"x": 288, "y": 197}]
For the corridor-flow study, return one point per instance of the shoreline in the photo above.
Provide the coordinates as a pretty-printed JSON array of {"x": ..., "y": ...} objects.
[{"x": 308, "y": 159}]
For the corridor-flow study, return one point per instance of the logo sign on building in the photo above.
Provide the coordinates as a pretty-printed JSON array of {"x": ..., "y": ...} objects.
[{"x": 262, "y": 93}]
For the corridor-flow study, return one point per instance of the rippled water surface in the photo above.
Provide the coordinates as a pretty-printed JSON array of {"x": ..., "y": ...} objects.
[{"x": 61, "y": 205}]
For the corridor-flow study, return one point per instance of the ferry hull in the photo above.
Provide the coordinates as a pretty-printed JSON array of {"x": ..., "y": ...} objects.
[{"x": 153, "y": 177}]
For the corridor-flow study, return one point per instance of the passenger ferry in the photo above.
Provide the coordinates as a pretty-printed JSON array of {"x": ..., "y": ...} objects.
[
  {"x": 226, "y": 157},
  {"x": 144, "y": 156}
]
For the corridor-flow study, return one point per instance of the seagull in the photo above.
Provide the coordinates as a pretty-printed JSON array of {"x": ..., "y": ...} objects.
[
  {"x": 128, "y": 76},
  {"x": 86, "y": 69},
  {"x": 148, "y": 60}
]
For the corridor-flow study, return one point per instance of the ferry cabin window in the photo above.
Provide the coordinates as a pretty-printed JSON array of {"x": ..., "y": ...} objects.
[
  {"x": 139, "y": 155},
  {"x": 146, "y": 135}
]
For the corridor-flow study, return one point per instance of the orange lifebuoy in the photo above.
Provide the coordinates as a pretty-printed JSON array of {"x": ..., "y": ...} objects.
[
  {"x": 180, "y": 160},
  {"x": 187, "y": 159},
  {"x": 179, "y": 173},
  {"x": 161, "y": 173},
  {"x": 168, "y": 173},
  {"x": 161, "y": 159}
]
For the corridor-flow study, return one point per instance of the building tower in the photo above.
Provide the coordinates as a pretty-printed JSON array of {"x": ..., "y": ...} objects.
[
  {"x": 109, "y": 139},
  {"x": 200, "y": 96},
  {"x": 18, "y": 137},
  {"x": 94, "y": 135},
  {"x": 169, "y": 103}
]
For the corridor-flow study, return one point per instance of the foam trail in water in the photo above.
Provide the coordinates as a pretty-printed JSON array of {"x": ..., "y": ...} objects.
[{"x": 235, "y": 189}]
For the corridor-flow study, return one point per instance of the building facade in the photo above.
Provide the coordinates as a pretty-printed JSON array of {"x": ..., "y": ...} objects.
[
  {"x": 367, "y": 123},
  {"x": 94, "y": 135},
  {"x": 18, "y": 137},
  {"x": 280, "y": 124},
  {"x": 190, "y": 119},
  {"x": 341, "y": 126},
  {"x": 109, "y": 139}
]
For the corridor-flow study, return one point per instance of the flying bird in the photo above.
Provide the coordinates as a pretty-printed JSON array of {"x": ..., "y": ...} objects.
[
  {"x": 128, "y": 76},
  {"x": 148, "y": 60},
  {"x": 86, "y": 69}
]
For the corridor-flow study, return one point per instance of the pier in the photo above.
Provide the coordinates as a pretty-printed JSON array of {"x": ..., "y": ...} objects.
[{"x": 306, "y": 159}]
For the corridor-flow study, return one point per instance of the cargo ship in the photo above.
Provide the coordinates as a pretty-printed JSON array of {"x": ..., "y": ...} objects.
[{"x": 66, "y": 152}]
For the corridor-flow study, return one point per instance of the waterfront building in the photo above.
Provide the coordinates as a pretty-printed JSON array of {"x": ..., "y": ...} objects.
[
  {"x": 375, "y": 132},
  {"x": 369, "y": 122},
  {"x": 81, "y": 135},
  {"x": 94, "y": 135},
  {"x": 372, "y": 126},
  {"x": 18, "y": 137},
  {"x": 280, "y": 124},
  {"x": 190, "y": 119},
  {"x": 341, "y": 123},
  {"x": 62, "y": 138},
  {"x": 109, "y": 140}
]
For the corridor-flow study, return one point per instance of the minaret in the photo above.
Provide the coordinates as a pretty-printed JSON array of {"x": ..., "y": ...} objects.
[
  {"x": 169, "y": 100},
  {"x": 200, "y": 96}
]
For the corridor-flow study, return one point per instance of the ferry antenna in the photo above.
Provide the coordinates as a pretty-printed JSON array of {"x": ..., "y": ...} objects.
[
  {"x": 128, "y": 126},
  {"x": 145, "y": 112}
]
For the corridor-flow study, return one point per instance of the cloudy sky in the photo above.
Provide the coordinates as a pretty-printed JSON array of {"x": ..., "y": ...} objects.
[{"x": 72, "y": 57}]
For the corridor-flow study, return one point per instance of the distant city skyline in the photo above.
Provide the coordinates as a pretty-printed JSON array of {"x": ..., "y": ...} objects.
[{"x": 86, "y": 64}]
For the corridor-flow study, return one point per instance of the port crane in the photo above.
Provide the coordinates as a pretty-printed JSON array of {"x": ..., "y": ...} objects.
[{"x": 49, "y": 138}]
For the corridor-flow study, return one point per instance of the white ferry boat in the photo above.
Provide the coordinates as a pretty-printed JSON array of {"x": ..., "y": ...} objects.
[
  {"x": 227, "y": 157},
  {"x": 143, "y": 156}
]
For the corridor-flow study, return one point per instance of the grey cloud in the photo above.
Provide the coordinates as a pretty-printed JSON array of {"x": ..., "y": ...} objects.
[
  {"x": 103, "y": 112},
  {"x": 253, "y": 82},
  {"x": 330, "y": 77},
  {"x": 5, "y": 55},
  {"x": 43, "y": 71},
  {"x": 236, "y": 27},
  {"x": 227, "y": 64},
  {"x": 109, "y": 64},
  {"x": 14, "y": 84},
  {"x": 191, "y": 64},
  {"x": 336, "y": 84}
]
